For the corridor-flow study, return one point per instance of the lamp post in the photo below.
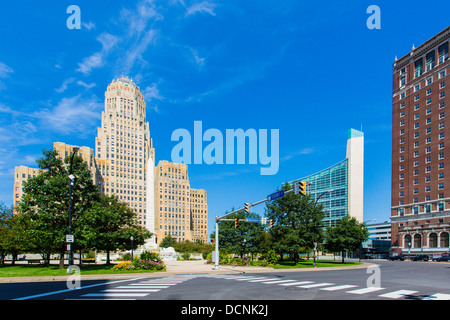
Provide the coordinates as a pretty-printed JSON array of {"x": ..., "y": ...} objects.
[
  {"x": 131, "y": 238},
  {"x": 315, "y": 226},
  {"x": 70, "y": 238}
]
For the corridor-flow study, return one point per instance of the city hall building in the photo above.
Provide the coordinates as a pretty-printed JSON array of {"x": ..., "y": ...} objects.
[
  {"x": 122, "y": 163},
  {"x": 420, "y": 205},
  {"x": 340, "y": 188}
]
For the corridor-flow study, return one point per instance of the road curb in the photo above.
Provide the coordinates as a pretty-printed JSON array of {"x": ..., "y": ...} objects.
[{"x": 177, "y": 270}]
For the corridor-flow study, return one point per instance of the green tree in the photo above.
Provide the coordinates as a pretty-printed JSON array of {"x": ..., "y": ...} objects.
[
  {"x": 43, "y": 209},
  {"x": 109, "y": 224},
  {"x": 9, "y": 234},
  {"x": 346, "y": 236},
  {"x": 231, "y": 239},
  {"x": 297, "y": 223},
  {"x": 168, "y": 241}
]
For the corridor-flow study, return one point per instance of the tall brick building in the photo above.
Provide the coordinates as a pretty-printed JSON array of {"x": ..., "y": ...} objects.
[{"x": 420, "y": 208}]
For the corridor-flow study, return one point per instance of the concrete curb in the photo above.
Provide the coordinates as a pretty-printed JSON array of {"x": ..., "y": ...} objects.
[{"x": 174, "y": 268}]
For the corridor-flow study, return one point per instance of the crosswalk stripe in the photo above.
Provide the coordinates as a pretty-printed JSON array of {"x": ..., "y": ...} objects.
[
  {"x": 397, "y": 294},
  {"x": 315, "y": 285},
  {"x": 154, "y": 284},
  {"x": 250, "y": 278},
  {"x": 131, "y": 290},
  {"x": 365, "y": 290},
  {"x": 141, "y": 287},
  {"x": 438, "y": 296},
  {"x": 278, "y": 281},
  {"x": 295, "y": 283},
  {"x": 261, "y": 280},
  {"x": 110, "y": 295},
  {"x": 334, "y": 288}
]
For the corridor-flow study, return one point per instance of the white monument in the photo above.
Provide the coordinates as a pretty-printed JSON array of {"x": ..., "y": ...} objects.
[{"x": 150, "y": 205}]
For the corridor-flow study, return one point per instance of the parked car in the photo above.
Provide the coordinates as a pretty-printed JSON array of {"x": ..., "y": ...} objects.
[
  {"x": 442, "y": 258},
  {"x": 399, "y": 257},
  {"x": 421, "y": 257}
]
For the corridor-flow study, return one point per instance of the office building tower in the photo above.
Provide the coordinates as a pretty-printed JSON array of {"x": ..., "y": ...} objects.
[
  {"x": 123, "y": 146},
  {"x": 420, "y": 208},
  {"x": 340, "y": 188}
]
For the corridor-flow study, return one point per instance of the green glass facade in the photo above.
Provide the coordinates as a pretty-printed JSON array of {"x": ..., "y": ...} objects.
[{"x": 330, "y": 187}]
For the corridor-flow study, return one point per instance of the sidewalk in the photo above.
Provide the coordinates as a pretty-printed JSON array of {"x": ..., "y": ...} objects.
[{"x": 180, "y": 268}]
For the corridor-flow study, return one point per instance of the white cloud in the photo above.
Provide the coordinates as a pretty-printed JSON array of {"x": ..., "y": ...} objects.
[
  {"x": 200, "y": 62},
  {"x": 202, "y": 7},
  {"x": 5, "y": 70},
  {"x": 96, "y": 60},
  {"x": 65, "y": 84},
  {"x": 86, "y": 85},
  {"x": 88, "y": 25},
  {"x": 135, "y": 52},
  {"x": 71, "y": 115}
]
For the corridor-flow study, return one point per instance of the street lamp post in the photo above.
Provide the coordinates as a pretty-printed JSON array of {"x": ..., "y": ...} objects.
[
  {"x": 71, "y": 177},
  {"x": 131, "y": 238},
  {"x": 315, "y": 226}
]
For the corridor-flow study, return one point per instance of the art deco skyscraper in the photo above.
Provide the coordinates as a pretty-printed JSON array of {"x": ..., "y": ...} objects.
[{"x": 123, "y": 146}]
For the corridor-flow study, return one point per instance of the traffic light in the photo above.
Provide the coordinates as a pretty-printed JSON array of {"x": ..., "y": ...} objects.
[
  {"x": 236, "y": 223},
  {"x": 271, "y": 223},
  {"x": 247, "y": 207},
  {"x": 303, "y": 188}
]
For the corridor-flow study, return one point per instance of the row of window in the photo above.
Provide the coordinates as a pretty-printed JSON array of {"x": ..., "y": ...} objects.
[
  {"x": 426, "y": 208},
  {"x": 417, "y": 86},
  {"x": 427, "y": 189},
  {"x": 416, "y": 200},
  {"x": 427, "y": 130},
  {"x": 416, "y": 240}
]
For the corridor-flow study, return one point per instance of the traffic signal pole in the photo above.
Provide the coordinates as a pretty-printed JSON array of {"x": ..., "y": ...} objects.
[{"x": 222, "y": 218}]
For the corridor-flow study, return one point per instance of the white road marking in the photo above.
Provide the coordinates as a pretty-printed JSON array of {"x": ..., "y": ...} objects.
[
  {"x": 344, "y": 286},
  {"x": 315, "y": 285},
  {"x": 438, "y": 296},
  {"x": 365, "y": 290},
  {"x": 397, "y": 294},
  {"x": 295, "y": 283}
]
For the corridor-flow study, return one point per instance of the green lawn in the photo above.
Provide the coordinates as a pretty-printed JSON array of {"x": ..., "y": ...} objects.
[
  {"x": 319, "y": 264},
  {"x": 53, "y": 270}
]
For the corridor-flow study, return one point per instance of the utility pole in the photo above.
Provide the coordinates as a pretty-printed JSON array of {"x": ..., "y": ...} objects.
[{"x": 246, "y": 208}]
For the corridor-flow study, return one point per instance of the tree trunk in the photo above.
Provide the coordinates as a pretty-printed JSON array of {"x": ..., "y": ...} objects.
[
  {"x": 107, "y": 257},
  {"x": 342, "y": 253},
  {"x": 61, "y": 260}
]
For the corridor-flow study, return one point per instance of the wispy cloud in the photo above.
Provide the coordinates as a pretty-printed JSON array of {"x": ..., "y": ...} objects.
[
  {"x": 88, "y": 25},
  {"x": 297, "y": 153},
  {"x": 65, "y": 84},
  {"x": 96, "y": 60},
  {"x": 201, "y": 7},
  {"x": 5, "y": 70},
  {"x": 71, "y": 115}
]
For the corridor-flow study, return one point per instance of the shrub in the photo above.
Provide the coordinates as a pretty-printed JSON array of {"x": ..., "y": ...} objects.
[
  {"x": 148, "y": 255},
  {"x": 123, "y": 266},
  {"x": 271, "y": 257},
  {"x": 185, "y": 255}
]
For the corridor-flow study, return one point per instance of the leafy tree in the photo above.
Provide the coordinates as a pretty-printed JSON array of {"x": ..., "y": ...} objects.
[
  {"x": 231, "y": 239},
  {"x": 109, "y": 224},
  {"x": 168, "y": 241},
  {"x": 297, "y": 223},
  {"x": 43, "y": 210},
  {"x": 9, "y": 234},
  {"x": 346, "y": 236}
]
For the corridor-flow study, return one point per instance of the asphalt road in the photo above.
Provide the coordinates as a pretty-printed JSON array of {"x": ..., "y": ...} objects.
[{"x": 391, "y": 280}]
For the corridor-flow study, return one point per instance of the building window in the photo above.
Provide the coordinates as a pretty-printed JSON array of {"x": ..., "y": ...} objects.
[{"x": 432, "y": 241}]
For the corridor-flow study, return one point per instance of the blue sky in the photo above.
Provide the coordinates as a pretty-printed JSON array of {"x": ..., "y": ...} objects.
[{"x": 312, "y": 70}]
